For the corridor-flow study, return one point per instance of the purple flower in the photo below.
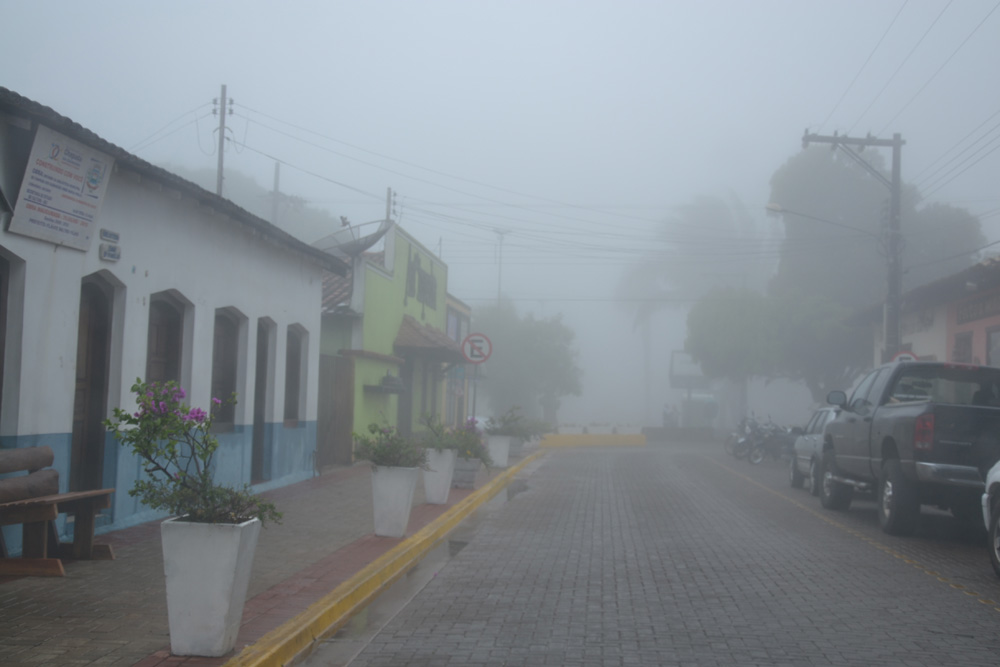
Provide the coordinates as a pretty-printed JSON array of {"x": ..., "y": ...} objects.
[{"x": 216, "y": 401}]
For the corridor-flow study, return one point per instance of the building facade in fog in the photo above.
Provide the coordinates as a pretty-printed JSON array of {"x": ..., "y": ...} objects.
[
  {"x": 956, "y": 318},
  {"x": 112, "y": 269},
  {"x": 385, "y": 335}
]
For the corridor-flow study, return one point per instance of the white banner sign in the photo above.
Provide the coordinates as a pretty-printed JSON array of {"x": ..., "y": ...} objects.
[{"x": 62, "y": 191}]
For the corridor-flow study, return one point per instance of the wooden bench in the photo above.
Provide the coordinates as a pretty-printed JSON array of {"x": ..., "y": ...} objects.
[{"x": 29, "y": 503}]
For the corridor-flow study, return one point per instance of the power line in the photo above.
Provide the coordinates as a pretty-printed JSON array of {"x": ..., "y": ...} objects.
[
  {"x": 864, "y": 65},
  {"x": 943, "y": 65},
  {"x": 920, "y": 183},
  {"x": 905, "y": 60},
  {"x": 140, "y": 145}
]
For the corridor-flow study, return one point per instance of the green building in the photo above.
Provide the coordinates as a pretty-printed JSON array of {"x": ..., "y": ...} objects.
[{"x": 385, "y": 354}]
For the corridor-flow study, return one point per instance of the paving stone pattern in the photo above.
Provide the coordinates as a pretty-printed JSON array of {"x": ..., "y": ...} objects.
[{"x": 678, "y": 555}]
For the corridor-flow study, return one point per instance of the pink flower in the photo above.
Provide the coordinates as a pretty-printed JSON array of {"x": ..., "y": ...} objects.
[{"x": 217, "y": 401}]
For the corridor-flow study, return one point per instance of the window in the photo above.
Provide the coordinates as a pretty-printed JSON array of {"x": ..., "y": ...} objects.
[
  {"x": 294, "y": 375},
  {"x": 225, "y": 350},
  {"x": 962, "y": 352},
  {"x": 993, "y": 347},
  {"x": 163, "y": 345}
]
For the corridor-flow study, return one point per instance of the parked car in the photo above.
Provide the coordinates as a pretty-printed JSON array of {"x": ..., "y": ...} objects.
[
  {"x": 804, "y": 468},
  {"x": 991, "y": 514},
  {"x": 915, "y": 433}
]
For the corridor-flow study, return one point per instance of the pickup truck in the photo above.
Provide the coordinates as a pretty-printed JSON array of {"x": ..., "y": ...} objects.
[{"x": 916, "y": 433}]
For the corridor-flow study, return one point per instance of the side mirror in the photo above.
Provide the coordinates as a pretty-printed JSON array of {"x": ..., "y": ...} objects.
[{"x": 837, "y": 398}]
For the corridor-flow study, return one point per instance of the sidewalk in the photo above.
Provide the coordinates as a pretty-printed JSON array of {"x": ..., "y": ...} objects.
[{"x": 114, "y": 612}]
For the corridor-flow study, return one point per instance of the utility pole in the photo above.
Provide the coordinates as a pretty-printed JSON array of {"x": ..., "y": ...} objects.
[
  {"x": 891, "y": 340},
  {"x": 222, "y": 137},
  {"x": 500, "y": 233},
  {"x": 388, "y": 204},
  {"x": 275, "y": 194}
]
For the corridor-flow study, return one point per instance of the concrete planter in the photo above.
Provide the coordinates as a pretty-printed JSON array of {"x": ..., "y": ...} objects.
[
  {"x": 392, "y": 497},
  {"x": 207, "y": 568},
  {"x": 465, "y": 473},
  {"x": 438, "y": 474},
  {"x": 517, "y": 447},
  {"x": 499, "y": 448}
]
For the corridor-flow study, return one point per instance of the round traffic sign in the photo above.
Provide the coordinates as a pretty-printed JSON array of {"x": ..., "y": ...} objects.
[{"x": 476, "y": 348}]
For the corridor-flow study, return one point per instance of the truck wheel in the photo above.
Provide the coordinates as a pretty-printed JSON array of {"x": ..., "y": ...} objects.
[
  {"x": 832, "y": 494},
  {"x": 795, "y": 478},
  {"x": 815, "y": 477},
  {"x": 898, "y": 508},
  {"x": 995, "y": 538}
]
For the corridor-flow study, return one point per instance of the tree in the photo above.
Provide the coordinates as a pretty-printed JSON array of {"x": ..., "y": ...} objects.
[
  {"x": 731, "y": 334},
  {"x": 533, "y": 363},
  {"x": 295, "y": 215},
  {"x": 835, "y": 221}
]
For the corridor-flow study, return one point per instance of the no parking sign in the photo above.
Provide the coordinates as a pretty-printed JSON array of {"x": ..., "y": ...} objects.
[{"x": 476, "y": 348}]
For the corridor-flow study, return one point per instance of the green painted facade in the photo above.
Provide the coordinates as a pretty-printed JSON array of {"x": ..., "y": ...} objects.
[{"x": 411, "y": 281}]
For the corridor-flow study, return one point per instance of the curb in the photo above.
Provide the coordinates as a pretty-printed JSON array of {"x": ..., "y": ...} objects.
[
  {"x": 594, "y": 440},
  {"x": 332, "y": 611}
]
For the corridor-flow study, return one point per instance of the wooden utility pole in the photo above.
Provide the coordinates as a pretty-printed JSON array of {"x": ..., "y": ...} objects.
[
  {"x": 222, "y": 139},
  {"x": 275, "y": 194},
  {"x": 891, "y": 340}
]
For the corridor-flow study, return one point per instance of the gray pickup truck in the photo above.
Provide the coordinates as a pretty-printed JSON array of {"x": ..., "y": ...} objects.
[{"x": 916, "y": 433}]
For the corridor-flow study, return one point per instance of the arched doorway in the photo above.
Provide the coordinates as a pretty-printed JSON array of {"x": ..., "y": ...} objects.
[{"x": 91, "y": 397}]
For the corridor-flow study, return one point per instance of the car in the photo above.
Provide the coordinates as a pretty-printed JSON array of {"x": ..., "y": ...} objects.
[
  {"x": 991, "y": 514},
  {"x": 807, "y": 454}
]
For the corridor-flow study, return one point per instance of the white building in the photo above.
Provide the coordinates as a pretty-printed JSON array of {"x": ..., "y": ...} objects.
[{"x": 112, "y": 269}]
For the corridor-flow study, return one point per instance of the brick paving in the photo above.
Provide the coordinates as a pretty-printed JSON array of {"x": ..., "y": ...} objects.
[
  {"x": 681, "y": 556},
  {"x": 113, "y": 613}
]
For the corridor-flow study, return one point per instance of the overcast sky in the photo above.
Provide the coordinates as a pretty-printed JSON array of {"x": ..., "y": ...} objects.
[{"x": 573, "y": 128}]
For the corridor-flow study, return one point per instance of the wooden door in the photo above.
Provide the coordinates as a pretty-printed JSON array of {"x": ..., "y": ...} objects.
[
  {"x": 257, "y": 468},
  {"x": 90, "y": 399},
  {"x": 334, "y": 439}
]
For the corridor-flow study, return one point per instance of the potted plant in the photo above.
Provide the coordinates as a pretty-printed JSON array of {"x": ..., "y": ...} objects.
[
  {"x": 472, "y": 455},
  {"x": 441, "y": 445},
  {"x": 501, "y": 432},
  {"x": 396, "y": 462},
  {"x": 209, "y": 543}
]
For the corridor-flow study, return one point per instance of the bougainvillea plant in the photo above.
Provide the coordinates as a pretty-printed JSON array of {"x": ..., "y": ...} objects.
[{"x": 176, "y": 447}]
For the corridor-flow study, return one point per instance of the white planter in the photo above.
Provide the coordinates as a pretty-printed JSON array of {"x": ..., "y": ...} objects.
[
  {"x": 499, "y": 448},
  {"x": 465, "y": 473},
  {"x": 207, "y": 568},
  {"x": 438, "y": 474},
  {"x": 516, "y": 447},
  {"x": 392, "y": 497}
]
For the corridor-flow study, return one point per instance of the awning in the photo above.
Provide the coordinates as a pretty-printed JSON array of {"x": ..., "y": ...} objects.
[{"x": 426, "y": 341}]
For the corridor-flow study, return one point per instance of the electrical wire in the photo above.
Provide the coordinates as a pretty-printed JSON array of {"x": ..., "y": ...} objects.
[
  {"x": 864, "y": 65},
  {"x": 140, "y": 145},
  {"x": 943, "y": 65},
  {"x": 920, "y": 173},
  {"x": 905, "y": 60}
]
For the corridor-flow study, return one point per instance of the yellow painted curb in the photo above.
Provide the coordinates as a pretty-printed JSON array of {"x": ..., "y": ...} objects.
[
  {"x": 281, "y": 645},
  {"x": 593, "y": 439}
]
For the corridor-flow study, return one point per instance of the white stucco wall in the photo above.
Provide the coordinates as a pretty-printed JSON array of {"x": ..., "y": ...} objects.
[{"x": 169, "y": 242}]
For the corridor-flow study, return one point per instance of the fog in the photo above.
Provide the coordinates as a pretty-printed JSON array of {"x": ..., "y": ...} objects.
[{"x": 537, "y": 146}]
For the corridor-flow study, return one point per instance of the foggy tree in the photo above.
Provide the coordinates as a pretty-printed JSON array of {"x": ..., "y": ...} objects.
[
  {"x": 732, "y": 335},
  {"x": 295, "y": 215},
  {"x": 533, "y": 363},
  {"x": 709, "y": 242},
  {"x": 816, "y": 342},
  {"x": 821, "y": 254}
]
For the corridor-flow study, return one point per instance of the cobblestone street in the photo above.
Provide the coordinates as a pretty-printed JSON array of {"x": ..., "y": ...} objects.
[{"x": 679, "y": 555}]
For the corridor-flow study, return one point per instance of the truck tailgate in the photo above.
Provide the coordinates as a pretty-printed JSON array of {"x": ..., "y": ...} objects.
[{"x": 965, "y": 435}]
